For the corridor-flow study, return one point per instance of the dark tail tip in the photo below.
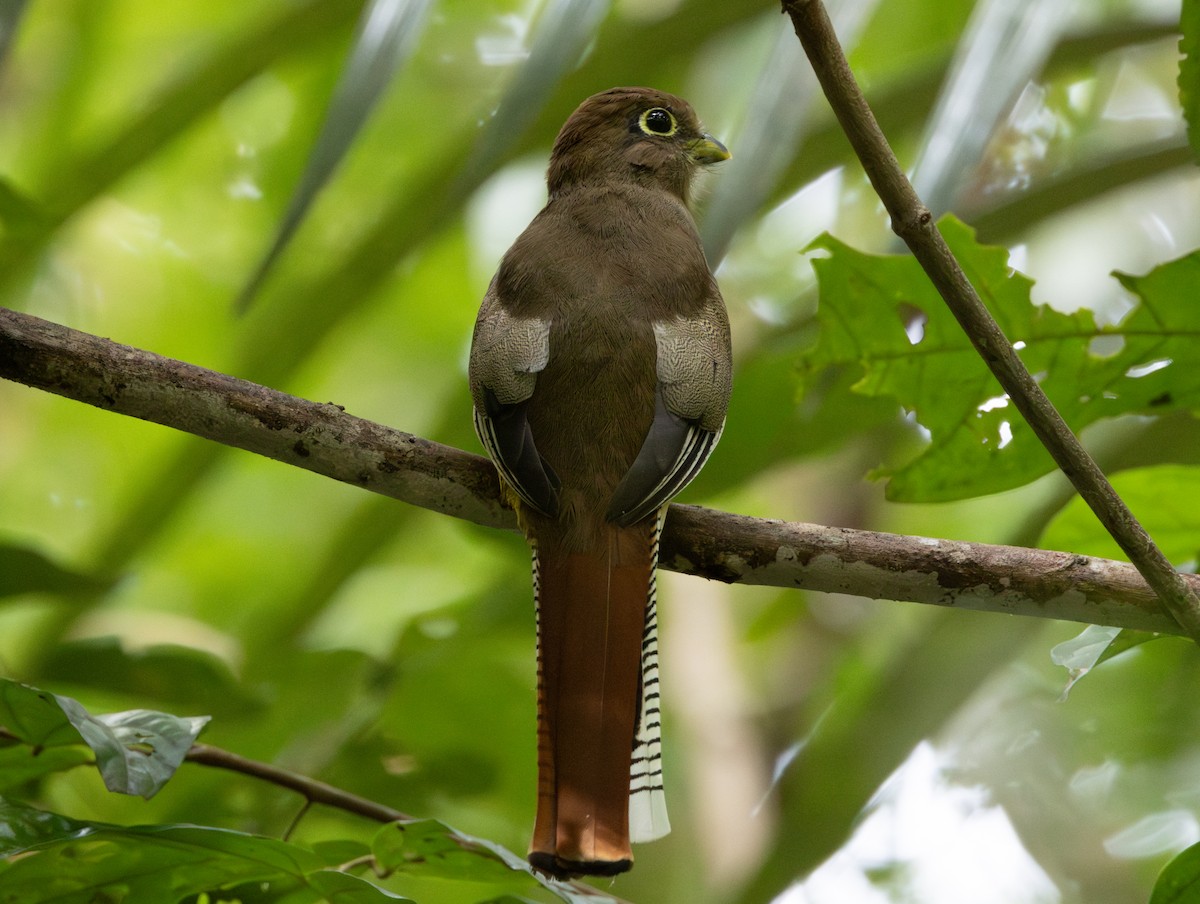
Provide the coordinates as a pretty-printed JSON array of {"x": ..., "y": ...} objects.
[{"x": 569, "y": 869}]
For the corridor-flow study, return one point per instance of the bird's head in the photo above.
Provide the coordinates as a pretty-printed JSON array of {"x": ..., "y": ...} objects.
[{"x": 636, "y": 134}]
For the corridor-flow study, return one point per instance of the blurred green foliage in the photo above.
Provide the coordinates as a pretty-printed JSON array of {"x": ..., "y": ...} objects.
[{"x": 149, "y": 153}]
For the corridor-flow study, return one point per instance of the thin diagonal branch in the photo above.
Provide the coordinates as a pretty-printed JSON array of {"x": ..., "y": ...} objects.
[
  {"x": 717, "y": 545},
  {"x": 912, "y": 221},
  {"x": 312, "y": 790}
]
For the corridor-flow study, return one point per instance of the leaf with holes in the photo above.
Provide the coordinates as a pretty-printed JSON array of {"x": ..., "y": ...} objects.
[
  {"x": 137, "y": 751},
  {"x": 881, "y": 314}
]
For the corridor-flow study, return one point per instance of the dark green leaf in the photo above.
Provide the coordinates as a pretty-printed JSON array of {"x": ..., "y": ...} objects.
[
  {"x": 10, "y": 18},
  {"x": 431, "y": 848},
  {"x": 34, "y": 716},
  {"x": 25, "y": 570},
  {"x": 1179, "y": 882},
  {"x": 177, "y": 675},
  {"x": 1189, "y": 72},
  {"x": 69, "y": 862},
  {"x": 20, "y": 763},
  {"x": 17, "y": 211},
  {"x": 24, "y": 827}
]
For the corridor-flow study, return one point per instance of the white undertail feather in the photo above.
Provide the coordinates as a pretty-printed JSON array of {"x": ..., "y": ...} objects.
[
  {"x": 543, "y": 753},
  {"x": 647, "y": 800}
]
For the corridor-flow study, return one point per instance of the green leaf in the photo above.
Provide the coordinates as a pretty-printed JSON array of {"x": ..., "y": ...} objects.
[
  {"x": 24, "y": 827},
  {"x": 176, "y": 674},
  {"x": 1189, "y": 72},
  {"x": 432, "y": 848},
  {"x": 1148, "y": 363},
  {"x": 70, "y": 862},
  {"x": 1179, "y": 882},
  {"x": 25, "y": 570},
  {"x": 1092, "y": 646},
  {"x": 34, "y": 716},
  {"x": 137, "y": 751},
  {"x": 20, "y": 764},
  {"x": 1166, "y": 499},
  {"x": 435, "y": 849}
]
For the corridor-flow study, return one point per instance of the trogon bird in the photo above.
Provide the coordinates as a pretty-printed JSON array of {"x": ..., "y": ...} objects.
[{"x": 600, "y": 373}]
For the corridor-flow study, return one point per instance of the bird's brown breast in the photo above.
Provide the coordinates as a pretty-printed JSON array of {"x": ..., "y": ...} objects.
[{"x": 602, "y": 264}]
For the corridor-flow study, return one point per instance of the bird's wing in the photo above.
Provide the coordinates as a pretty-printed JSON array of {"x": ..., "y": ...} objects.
[
  {"x": 694, "y": 379},
  {"x": 507, "y": 354}
]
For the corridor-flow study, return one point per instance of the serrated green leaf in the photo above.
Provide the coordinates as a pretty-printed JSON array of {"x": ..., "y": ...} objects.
[
  {"x": 71, "y": 862},
  {"x": 25, "y": 570},
  {"x": 978, "y": 443},
  {"x": 1179, "y": 882},
  {"x": 137, "y": 751},
  {"x": 1189, "y": 72}
]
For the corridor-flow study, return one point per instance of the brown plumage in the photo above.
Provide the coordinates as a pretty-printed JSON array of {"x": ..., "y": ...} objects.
[{"x": 600, "y": 373}]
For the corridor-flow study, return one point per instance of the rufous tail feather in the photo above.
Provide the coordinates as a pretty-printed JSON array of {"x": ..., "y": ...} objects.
[{"x": 598, "y": 725}]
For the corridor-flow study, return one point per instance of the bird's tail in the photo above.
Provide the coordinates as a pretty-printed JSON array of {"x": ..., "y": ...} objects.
[{"x": 599, "y": 773}]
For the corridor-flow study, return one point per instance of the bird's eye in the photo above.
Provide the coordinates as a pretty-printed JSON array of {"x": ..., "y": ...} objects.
[{"x": 657, "y": 121}]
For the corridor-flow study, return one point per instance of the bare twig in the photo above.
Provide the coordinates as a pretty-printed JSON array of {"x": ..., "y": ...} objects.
[
  {"x": 912, "y": 221},
  {"x": 711, "y": 544},
  {"x": 318, "y": 792},
  {"x": 313, "y": 791}
]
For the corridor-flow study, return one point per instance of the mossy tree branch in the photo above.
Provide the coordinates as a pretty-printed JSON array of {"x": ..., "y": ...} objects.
[{"x": 323, "y": 438}]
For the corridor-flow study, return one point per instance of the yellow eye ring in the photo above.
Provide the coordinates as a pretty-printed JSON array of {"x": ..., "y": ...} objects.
[{"x": 658, "y": 121}]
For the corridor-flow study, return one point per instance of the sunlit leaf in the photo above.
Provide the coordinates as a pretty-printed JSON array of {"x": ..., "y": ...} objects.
[
  {"x": 386, "y": 34},
  {"x": 78, "y": 180},
  {"x": 882, "y": 314}
]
